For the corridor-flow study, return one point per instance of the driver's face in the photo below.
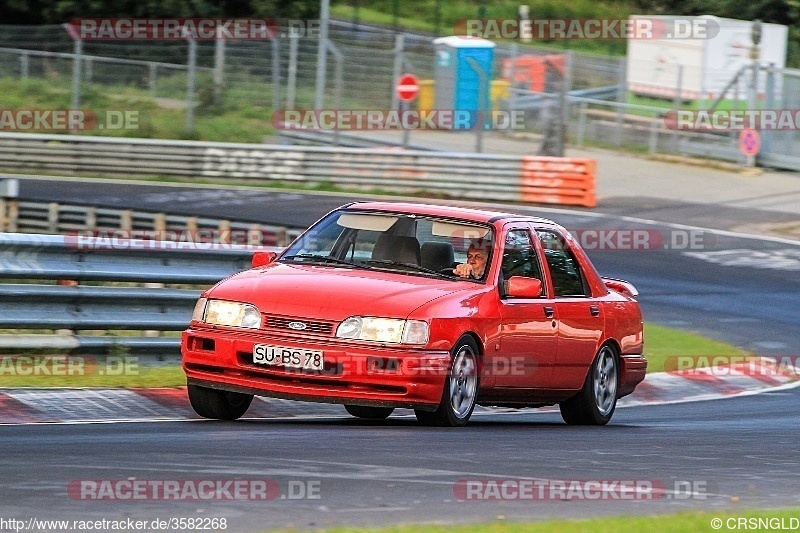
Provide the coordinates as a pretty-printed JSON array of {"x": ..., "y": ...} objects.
[{"x": 477, "y": 260}]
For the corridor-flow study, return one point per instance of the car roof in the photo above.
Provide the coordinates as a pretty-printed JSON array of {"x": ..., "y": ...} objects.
[{"x": 448, "y": 211}]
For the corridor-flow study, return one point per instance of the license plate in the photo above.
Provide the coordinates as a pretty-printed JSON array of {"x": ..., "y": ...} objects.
[{"x": 267, "y": 354}]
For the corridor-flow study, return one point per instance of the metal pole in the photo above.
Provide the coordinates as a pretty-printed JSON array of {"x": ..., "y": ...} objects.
[
  {"x": 219, "y": 67},
  {"x": 324, "y": 16},
  {"x": 291, "y": 83},
  {"x": 678, "y": 100},
  {"x": 76, "y": 74},
  {"x": 406, "y": 131},
  {"x": 152, "y": 79},
  {"x": 338, "y": 59},
  {"x": 566, "y": 87},
  {"x": 23, "y": 65},
  {"x": 483, "y": 108},
  {"x": 512, "y": 94},
  {"x": 276, "y": 75},
  {"x": 769, "y": 103},
  {"x": 654, "y": 134},
  {"x": 397, "y": 68},
  {"x": 582, "y": 124},
  {"x": 190, "y": 85}
]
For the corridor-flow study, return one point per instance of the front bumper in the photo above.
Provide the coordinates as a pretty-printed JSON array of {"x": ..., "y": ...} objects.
[{"x": 355, "y": 373}]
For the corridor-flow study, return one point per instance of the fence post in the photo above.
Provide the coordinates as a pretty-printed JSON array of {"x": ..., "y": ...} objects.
[
  {"x": 397, "y": 67},
  {"x": 76, "y": 74},
  {"x": 24, "y": 65},
  {"x": 126, "y": 220},
  {"x": 91, "y": 217},
  {"x": 12, "y": 223},
  {"x": 322, "y": 59},
  {"x": 219, "y": 67},
  {"x": 582, "y": 124},
  {"x": 52, "y": 217},
  {"x": 224, "y": 231},
  {"x": 159, "y": 222},
  {"x": 769, "y": 103},
  {"x": 151, "y": 81},
  {"x": 654, "y": 133},
  {"x": 190, "y": 85},
  {"x": 276, "y": 75},
  {"x": 678, "y": 100},
  {"x": 291, "y": 82},
  {"x": 338, "y": 59}
]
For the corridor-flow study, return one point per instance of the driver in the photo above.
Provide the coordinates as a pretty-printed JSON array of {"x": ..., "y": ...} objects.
[{"x": 477, "y": 255}]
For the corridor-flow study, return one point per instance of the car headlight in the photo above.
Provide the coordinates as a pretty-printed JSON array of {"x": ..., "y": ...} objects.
[
  {"x": 225, "y": 313},
  {"x": 388, "y": 330},
  {"x": 199, "y": 310}
]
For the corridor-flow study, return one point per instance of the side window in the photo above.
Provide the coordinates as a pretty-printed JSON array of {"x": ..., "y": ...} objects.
[
  {"x": 568, "y": 280},
  {"x": 519, "y": 256}
]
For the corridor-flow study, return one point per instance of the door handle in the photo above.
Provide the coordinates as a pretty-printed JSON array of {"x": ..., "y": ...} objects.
[
  {"x": 548, "y": 312},
  {"x": 594, "y": 310}
]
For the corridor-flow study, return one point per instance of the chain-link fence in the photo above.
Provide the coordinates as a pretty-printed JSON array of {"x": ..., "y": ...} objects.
[{"x": 587, "y": 97}]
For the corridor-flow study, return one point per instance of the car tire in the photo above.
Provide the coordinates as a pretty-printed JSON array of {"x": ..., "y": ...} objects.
[
  {"x": 218, "y": 404},
  {"x": 370, "y": 413},
  {"x": 597, "y": 400},
  {"x": 460, "y": 388}
]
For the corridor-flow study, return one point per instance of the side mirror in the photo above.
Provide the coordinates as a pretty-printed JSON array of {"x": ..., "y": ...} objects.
[
  {"x": 262, "y": 258},
  {"x": 522, "y": 287}
]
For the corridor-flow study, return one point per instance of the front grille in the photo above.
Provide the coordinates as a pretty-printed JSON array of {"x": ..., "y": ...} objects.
[{"x": 316, "y": 327}]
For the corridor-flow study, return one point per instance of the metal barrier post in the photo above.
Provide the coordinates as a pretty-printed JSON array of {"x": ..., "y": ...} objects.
[
  {"x": 291, "y": 82},
  {"x": 24, "y": 65},
  {"x": 397, "y": 66},
  {"x": 192, "y": 64},
  {"x": 219, "y": 67},
  {"x": 582, "y": 123},
  {"x": 76, "y": 74},
  {"x": 276, "y": 75}
]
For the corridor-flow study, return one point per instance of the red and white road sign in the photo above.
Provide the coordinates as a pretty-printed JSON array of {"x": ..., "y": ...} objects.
[
  {"x": 407, "y": 87},
  {"x": 749, "y": 142}
]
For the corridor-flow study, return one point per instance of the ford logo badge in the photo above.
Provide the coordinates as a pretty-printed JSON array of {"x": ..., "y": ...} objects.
[{"x": 297, "y": 325}]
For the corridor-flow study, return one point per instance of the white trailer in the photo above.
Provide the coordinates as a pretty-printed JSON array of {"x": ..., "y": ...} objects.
[{"x": 699, "y": 68}]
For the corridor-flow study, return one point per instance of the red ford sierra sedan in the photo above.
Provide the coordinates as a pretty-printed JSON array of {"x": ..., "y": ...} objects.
[{"x": 381, "y": 305}]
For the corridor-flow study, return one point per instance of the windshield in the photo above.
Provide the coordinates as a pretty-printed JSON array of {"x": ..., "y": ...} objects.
[{"x": 409, "y": 243}]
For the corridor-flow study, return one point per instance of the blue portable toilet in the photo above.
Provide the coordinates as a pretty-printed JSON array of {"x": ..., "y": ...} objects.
[{"x": 459, "y": 86}]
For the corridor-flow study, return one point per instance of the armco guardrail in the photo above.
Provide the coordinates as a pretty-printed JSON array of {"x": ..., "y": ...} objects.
[
  {"x": 458, "y": 175},
  {"x": 51, "y": 305},
  {"x": 20, "y": 216}
]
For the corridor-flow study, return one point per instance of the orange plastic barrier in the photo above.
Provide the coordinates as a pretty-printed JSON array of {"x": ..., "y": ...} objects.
[{"x": 559, "y": 180}]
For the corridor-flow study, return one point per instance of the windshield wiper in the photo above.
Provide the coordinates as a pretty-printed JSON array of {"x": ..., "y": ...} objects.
[
  {"x": 322, "y": 258},
  {"x": 418, "y": 268}
]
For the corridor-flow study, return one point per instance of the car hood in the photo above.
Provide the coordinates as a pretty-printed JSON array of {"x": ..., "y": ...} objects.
[{"x": 334, "y": 293}]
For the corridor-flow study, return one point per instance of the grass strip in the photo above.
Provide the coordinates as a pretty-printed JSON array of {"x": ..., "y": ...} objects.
[{"x": 660, "y": 344}]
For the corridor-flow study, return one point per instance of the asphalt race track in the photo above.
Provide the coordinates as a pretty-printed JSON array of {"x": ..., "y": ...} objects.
[
  {"x": 733, "y": 454},
  {"x": 726, "y": 455}
]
